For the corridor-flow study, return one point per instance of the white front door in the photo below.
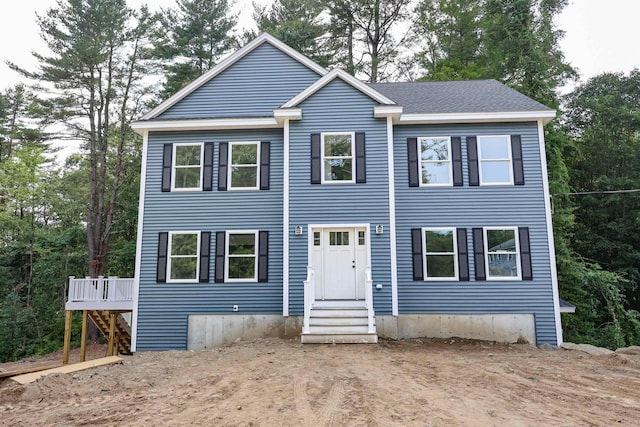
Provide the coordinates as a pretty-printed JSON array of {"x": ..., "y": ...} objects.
[{"x": 339, "y": 261}]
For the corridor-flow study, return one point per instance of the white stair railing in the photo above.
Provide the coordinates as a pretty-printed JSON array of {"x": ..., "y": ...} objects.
[
  {"x": 309, "y": 298},
  {"x": 100, "y": 289},
  {"x": 368, "y": 289}
]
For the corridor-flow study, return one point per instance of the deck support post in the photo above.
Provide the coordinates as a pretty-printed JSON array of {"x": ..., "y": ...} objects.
[
  {"x": 83, "y": 336},
  {"x": 67, "y": 337},
  {"x": 112, "y": 333}
]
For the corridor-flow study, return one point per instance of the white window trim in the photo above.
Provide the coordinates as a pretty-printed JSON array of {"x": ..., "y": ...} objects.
[
  {"x": 481, "y": 161},
  {"x": 352, "y": 157},
  {"x": 449, "y": 161},
  {"x": 174, "y": 166},
  {"x": 517, "y": 254},
  {"x": 169, "y": 257},
  {"x": 230, "y": 186},
  {"x": 226, "y": 257},
  {"x": 455, "y": 255}
]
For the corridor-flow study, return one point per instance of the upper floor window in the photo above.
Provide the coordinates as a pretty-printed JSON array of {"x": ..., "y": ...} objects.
[
  {"x": 435, "y": 161},
  {"x": 502, "y": 253},
  {"x": 187, "y": 166},
  {"x": 441, "y": 254},
  {"x": 495, "y": 160},
  {"x": 244, "y": 165},
  {"x": 338, "y": 157}
]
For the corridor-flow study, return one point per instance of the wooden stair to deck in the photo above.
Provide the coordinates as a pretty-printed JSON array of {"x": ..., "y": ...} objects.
[{"x": 122, "y": 331}]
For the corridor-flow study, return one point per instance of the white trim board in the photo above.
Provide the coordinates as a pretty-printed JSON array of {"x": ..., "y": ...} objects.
[
  {"x": 228, "y": 62},
  {"x": 392, "y": 218},
  {"x": 505, "y": 116},
  {"x": 205, "y": 124},
  {"x": 345, "y": 77},
  {"x": 285, "y": 223}
]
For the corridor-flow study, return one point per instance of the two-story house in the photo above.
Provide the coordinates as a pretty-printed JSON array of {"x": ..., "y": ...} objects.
[{"x": 278, "y": 197}]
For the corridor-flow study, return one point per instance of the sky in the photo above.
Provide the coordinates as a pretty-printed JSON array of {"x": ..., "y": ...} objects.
[{"x": 601, "y": 35}]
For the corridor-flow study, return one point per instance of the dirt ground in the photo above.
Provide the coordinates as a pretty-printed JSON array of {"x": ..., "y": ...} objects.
[{"x": 274, "y": 382}]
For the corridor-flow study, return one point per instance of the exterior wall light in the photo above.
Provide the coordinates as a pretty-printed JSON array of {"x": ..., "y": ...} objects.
[
  {"x": 379, "y": 229},
  {"x": 298, "y": 230}
]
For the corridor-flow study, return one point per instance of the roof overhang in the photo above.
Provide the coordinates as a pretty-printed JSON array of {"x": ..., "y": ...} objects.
[
  {"x": 508, "y": 116},
  {"x": 205, "y": 124},
  {"x": 393, "y": 111},
  {"x": 282, "y": 114},
  {"x": 229, "y": 61},
  {"x": 328, "y": 78}
]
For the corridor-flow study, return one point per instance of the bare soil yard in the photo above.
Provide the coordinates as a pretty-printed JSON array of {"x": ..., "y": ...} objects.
[{"x": 273, "y": 382}]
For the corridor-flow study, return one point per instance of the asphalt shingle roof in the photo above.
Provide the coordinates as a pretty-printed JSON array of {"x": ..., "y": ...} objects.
[{"x": 465, "y": 96}]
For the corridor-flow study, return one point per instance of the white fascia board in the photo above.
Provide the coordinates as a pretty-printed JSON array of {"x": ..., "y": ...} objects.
[
  {"x": 509, "y": 116},
  {"x": 381, "y": 111},
  {"x": 205, "y": 124},
  {"x": 282, "y": 114},
  {"x": 345, "y": 77},
  {"x": 229, "y": 61},
  {"x": 567, "y": 309}
]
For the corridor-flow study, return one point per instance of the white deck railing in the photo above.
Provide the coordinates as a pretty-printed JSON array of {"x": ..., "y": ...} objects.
[
  {"x": 309, "y": 297},
  {"x": 368, "y": 299},
  {"x": 107, "y": 292}
]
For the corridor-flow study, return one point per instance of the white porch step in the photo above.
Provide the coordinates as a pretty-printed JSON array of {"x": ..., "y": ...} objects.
[
  {"x": 338, "y": 329},
  {"x": 339, "y": 339},
  {"x": 339, "y": 312},
  {"x": 338, "y": 320}
]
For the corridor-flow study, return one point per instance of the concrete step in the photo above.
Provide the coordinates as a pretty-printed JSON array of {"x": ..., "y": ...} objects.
[{"x": 339, "y": 339}]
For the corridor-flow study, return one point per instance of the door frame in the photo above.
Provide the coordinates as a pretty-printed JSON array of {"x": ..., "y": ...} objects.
[{"x": 319, "y": 227}]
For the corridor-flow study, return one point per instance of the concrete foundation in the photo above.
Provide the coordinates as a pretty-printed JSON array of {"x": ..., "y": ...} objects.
[
  {"x": 490, "y": 327},
  {"x": 208, "y": 331}
]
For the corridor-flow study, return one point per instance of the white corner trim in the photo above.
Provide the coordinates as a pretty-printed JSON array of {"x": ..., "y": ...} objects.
[
  {"x": 205, "y": 124},
  {"x": 328, "y": 78},
  {"x": 285, "y": 223},
  {"x": 229, "y": 61},
  {"x": 392, "y": 219},
  {"x": 282, "y": 114},
  {"x": 552, "y": 251},
  {"x": 380, "y": 111},
  {"x": 136, "y": 281},
  {"x": 507, "y": 116}
]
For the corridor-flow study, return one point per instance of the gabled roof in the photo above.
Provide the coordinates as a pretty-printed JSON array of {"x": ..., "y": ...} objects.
[
  {"x": 344, "y": 76},
  {"x": 466, "y": 96},
  {"x": 229, "y": 61}
]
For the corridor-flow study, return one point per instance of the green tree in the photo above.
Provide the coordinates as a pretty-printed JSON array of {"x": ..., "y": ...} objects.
[{"x": 191, "y": 40}]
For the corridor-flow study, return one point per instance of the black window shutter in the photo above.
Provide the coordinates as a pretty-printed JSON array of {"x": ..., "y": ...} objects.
[
  {"x": 456, "y": 160},
  {"x": 207, "y": 170},
  {"x": 265, "y": 159},
  {"x": 472, "y": 153},
  {"x": 478, "y": 253},
  {"x": 525, "y": 253},
  {"x": 315, "y": 159},
  {"x": 416, "y": 251},
  {"x": 361, "y": 165},
  {"x": 223, "y": 160},
  {"x": 463, "y": 255},
  {"x": 205, "y": 245},
  {"x": 263, "y": 256},
  {"x": 516, "y": 155},
  {"x": 167, "y": 153},
  {"x": 220, "y": 248},
  {"x": 161, "y": 268},
  {"x": 414, "y": 173}
]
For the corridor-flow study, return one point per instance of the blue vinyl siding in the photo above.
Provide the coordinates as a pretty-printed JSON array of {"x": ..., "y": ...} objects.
[
  {"x": 338, "y": 107},
  {"x": 164, "y": 307},
  {"x": 469, "y": 207},
  {"x": 252, "y": 87}
]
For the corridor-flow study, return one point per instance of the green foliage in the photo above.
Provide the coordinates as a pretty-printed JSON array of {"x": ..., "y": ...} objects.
[{"x": 191, "y": 39}]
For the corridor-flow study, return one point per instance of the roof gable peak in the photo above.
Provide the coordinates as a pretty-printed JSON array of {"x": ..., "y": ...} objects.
[{"x": 226, "y": 63}]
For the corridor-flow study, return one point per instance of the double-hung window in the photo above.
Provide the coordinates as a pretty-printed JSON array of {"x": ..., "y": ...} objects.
[
  {"x": 244, "y": 165},
  {"x": 502, "y": 253},
  {"x": 242, "y": 256},
  {"x": 184, "y": 255},
  {"x": 187, "y": 167},
  {"x": 338, "y": 157},
  {"x": 440, "y": 254},
  {"x": 495, "y": 160},
  {"x": 435, "y": 161}
]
